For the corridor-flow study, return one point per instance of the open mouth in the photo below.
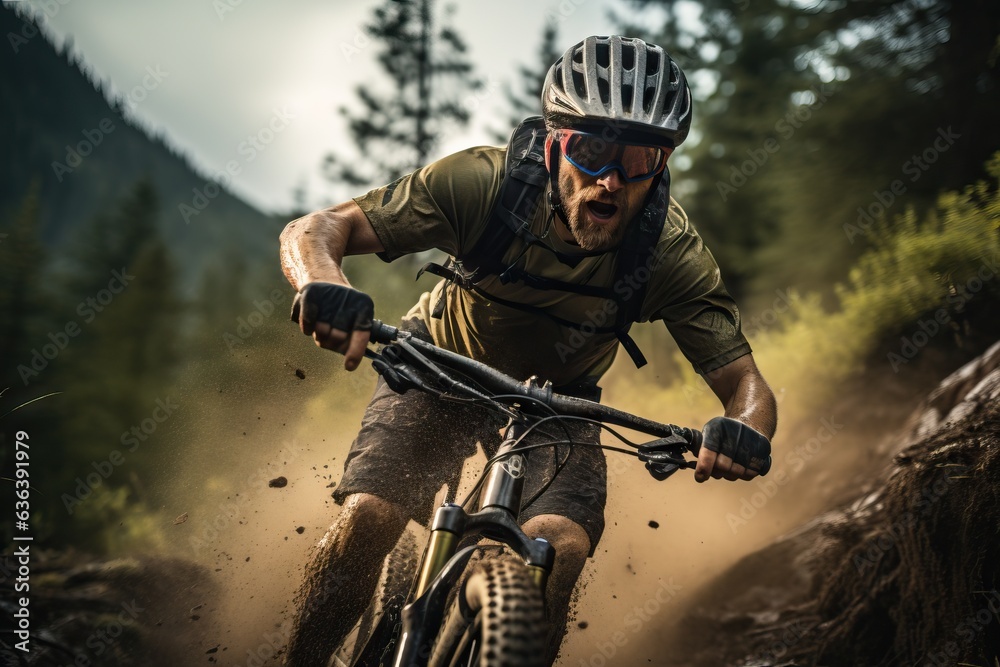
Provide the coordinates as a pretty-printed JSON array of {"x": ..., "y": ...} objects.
[{"x": 601, "y": 210}]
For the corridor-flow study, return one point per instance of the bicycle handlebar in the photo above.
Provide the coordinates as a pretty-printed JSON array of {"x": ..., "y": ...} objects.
[
  {"x": 504, "y": 384},
  {"x": 500, "y": 383}
]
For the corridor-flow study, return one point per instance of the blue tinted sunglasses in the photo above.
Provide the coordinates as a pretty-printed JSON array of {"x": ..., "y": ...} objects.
[{"x": 595, "y": 156}]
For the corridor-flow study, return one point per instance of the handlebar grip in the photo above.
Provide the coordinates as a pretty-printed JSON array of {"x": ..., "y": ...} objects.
[{"x": 383, "y": 333}]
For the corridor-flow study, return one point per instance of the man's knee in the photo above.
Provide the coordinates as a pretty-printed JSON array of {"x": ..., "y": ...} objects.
[
  {"x": 368, "y": 512},
  {"x": 570, "y": 540}
]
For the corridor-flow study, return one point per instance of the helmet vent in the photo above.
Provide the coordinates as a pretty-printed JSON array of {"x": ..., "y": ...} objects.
[
  {"x": 652, "y": 63},
  {"x": 578, "y": 83},
  {"x": 603, "y": 55},
  {"x": 627, "y": 93},
  {"x": 628, "y": 57},
  {"x": 604, "y": 90},
  {"x": 614, "y": 78},
  {"x": 647, "y": 99}
]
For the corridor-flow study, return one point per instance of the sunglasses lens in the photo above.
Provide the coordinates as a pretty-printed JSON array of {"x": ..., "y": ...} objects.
[{"x": 593, "y": 154}]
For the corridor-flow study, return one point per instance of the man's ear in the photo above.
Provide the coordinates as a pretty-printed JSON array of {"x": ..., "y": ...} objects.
[{"x": 548, "y": 149}]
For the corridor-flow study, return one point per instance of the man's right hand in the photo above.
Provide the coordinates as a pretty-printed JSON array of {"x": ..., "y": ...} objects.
[{"x": 339, "y": 318}]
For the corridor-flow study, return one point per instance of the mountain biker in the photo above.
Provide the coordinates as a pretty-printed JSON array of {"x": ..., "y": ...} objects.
[{"x": 614, "y": 109}]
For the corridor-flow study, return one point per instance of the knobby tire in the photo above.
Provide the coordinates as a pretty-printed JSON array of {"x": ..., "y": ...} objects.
[{"x": 500, "y": 622}]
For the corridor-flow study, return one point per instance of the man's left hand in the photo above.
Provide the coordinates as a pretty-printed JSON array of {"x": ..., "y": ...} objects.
[{"x": 732, "y": 449}]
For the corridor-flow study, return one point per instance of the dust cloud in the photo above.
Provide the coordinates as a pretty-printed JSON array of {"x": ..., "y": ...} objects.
[
  {"x": 251, "y": 532},
  {"x": 663, "y": 540}
]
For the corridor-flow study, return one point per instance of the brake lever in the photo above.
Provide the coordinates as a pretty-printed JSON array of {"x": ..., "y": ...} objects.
[
  {"x": 394, "y": 362},
  {"x": 665, "y": 456},
  {"x": 398, "y": 381}
]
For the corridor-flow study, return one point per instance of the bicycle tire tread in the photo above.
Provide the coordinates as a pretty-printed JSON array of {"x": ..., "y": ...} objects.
[{"x": 511, "y": 613}]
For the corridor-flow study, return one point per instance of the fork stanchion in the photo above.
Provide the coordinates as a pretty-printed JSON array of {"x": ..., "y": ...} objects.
[
  {"x": 541, "y": 569},
  {"x": 449, "y": 524}
]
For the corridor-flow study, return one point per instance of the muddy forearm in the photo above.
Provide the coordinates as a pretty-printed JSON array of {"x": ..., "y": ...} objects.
[{"x": 313, "y": 247}]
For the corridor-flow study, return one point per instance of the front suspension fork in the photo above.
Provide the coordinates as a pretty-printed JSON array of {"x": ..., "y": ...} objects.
[{"x": 500, "y": 504}]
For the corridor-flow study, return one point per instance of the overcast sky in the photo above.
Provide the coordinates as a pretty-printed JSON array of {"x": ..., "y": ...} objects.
[{"x": 224, "y": 74}]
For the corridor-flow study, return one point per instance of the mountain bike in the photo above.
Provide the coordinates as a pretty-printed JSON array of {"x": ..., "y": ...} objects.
[{"x": 441, "y": 612}]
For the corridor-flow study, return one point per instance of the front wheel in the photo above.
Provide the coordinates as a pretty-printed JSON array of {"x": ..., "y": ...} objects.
[{"x": 496, "y": 620}]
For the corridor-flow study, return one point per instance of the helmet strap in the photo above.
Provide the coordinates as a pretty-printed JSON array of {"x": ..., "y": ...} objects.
[
  {"x": 552, "y": 162},
  {"x": 654, "y": 186}
]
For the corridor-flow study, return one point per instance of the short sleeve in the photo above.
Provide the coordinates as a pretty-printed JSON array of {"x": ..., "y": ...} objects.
[
  {"x": 442, "y": 205},
  {"x": 686, "y": 292}
]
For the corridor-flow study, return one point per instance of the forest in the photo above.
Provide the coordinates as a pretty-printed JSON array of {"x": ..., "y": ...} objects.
[{"x": 844, "y": 168}]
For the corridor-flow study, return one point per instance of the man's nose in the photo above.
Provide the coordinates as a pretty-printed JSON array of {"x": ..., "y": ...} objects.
[{"x": 612, "y": 180}]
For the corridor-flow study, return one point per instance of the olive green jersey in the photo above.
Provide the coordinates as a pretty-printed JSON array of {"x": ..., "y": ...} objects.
[{"x": 446, "y": 205}]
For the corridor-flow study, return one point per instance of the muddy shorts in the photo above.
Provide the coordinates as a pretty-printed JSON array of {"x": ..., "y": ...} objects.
[{"x": 412, "y": 444}]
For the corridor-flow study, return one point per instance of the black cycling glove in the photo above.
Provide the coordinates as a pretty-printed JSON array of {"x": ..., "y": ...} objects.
[
  {"x": 341, "y": 307},
  {"x": 741, "y": 443}
]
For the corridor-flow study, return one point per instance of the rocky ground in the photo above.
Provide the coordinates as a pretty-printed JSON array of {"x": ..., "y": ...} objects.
[{"x": 125, "y": 612}]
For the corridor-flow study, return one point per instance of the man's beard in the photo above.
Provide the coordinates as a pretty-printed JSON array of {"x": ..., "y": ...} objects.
[{"x": 591, "y": 235}]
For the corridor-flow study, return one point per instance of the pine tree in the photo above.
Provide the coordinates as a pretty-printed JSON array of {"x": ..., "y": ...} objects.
[
  {"x": 847, "y": 93},
  {"x": 21, "y": 263},
  {"x": 397, "y": 132},
  {"x": 127, "y": 353}
]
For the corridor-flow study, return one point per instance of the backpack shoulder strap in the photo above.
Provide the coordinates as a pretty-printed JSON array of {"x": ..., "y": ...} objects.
[{"x": 517, "y": 201}]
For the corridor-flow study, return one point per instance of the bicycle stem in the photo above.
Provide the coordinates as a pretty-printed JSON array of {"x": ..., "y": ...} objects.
[{"x": 506, "y": 481}]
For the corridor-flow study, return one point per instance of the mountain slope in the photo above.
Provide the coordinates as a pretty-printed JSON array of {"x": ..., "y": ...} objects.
[{"x": 60, "y": 129}]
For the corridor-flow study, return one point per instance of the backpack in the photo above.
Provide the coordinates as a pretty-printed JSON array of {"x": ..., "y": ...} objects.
[{"x": 520, "y": 195}]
